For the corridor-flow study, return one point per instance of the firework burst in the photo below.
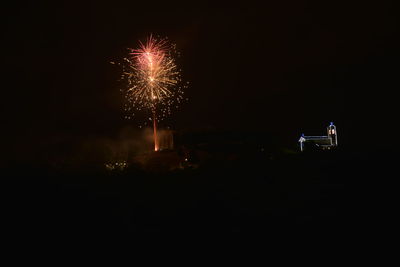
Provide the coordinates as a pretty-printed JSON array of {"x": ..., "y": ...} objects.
[{"x": 154, "y": 80}]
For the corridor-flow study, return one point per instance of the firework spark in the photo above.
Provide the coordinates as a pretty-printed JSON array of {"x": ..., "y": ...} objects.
[{"x": 154, "y": 80}]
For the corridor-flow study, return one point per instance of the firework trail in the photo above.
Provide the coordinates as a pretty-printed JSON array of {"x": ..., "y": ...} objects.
[{"x": 154, "y": 80}]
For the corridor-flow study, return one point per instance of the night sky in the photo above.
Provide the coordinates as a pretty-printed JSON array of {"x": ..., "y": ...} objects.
[
  {"x": 279, "y": 67},
  {"x": 261, "y": 74}
]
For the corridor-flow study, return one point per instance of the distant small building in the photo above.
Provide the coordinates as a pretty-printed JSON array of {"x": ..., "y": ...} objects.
[
  {"x": 320, "y": 142},
  {"x": 165, "y": 139}
]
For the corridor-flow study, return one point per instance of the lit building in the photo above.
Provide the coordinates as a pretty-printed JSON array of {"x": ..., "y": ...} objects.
[
  {"x": 165, "y": 139},
  {"x": 320, "y": 142}
]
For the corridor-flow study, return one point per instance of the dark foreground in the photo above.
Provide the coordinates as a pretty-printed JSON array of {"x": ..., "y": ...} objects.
[{"x": 328, "y": 192}]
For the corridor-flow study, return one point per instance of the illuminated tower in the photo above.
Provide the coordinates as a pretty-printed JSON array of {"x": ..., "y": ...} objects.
[{"x": 332, "y": 133}]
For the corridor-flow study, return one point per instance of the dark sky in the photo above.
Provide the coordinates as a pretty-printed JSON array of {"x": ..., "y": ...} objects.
[{"x": 281, "y": 67}]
